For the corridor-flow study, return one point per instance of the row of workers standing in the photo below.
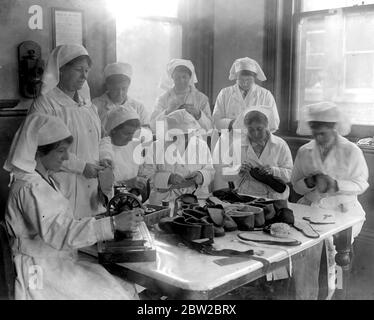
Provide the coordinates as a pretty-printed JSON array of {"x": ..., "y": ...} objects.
[{"x": 58, "y": 152}]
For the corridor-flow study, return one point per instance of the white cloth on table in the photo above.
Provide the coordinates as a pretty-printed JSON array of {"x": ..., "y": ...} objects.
[{"x": 230, "y": 105}]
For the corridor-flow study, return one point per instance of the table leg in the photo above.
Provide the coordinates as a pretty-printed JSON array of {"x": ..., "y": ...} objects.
[{"x": 342, "y": 242}]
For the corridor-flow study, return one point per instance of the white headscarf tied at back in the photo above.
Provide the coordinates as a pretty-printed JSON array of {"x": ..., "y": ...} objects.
[
  {"x": 119, "y": 115},
  {"x": 180, "y": 121},
  {"x": 323, "y": 112},
  {"x": 266, "y": 110},
  {"x": 167, "y": 81},
  {"x": 118, "y": 68},
  {"x": 60, "y": 56},
  {"x": 239, "y": 122},
  {"x": 246, "y": 64},
  {"x": 36, "y": 130}
]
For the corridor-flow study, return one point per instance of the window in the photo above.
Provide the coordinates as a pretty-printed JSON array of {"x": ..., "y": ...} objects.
[
  {"x": 149, "y": 34},
  {"x": 334, "y": 58}
]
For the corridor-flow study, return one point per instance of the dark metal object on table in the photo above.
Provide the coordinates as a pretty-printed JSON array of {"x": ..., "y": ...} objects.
[{"x": 135, "y": 246}]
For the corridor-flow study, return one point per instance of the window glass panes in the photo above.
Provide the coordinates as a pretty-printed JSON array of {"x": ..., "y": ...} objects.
[
  {"x": 315, "y": 5},
  {"x": 359, "y": 31},
  {"x": 359, "y": 71},
  {"x": 335, "y": 62},
  {"x": 148, "y": 45}
]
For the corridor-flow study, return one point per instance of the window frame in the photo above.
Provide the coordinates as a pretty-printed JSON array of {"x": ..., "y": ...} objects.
[{"x": 286, "y": 92}]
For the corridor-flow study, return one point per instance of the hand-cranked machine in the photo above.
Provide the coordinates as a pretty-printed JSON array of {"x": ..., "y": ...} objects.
[{"x": 132, "y": 246}]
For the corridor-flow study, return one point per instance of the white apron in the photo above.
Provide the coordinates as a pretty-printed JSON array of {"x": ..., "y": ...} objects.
[
  {"x": 344, "y": 163},
  {"x": 44, "y": 240},
  {"x": 230, "y": 104},
  {"x": 195, "y": 97},
  {"x": 84, "y": 124}
]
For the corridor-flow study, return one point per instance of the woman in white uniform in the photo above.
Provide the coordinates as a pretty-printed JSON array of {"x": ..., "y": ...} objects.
[
  {"x": 117, "y": 81},
  {"x": 259, "y": 148},
  {"x": 329, "y": 172},
  {"x": 243, "y": 96},
  {"x": 44, "y": 234},
  {"x": 183, "y": 163},
  {"x": 182, "y": 94},
  {"x": 121, "y": 125},
  {"x": 65, "y": 94}
]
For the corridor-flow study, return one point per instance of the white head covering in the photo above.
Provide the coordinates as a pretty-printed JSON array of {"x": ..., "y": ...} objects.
[
  {"x": 119, "y": 115},
  {"x": 323, "y": 112},
  {"x": 239, "y": 122},
  {"x": 60, "y": 56},
  {"x": 167, "y": 81},
  {"x": 246, "y": 64},
  {"x": 182, "y": 121},
  {"x": 36, "y": 130},
  {"x": 118, "y": 68}
]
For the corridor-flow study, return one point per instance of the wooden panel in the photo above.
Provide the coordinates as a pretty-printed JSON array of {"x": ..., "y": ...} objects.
[{"x": 8, "y": 127}]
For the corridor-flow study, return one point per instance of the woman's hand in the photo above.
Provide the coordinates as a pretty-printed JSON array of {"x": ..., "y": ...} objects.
[
  {"x": 176, "y": 179},
  {"x": 265, "y": 169},
  {"x": 244, "y": 169},
  {"x": 195, "y": 177},
  {"x": 91, "y": 170},
  {"x": 106, "y": 163},
  {"x": 326, "y": 184},
  {"x": 128, "y": 220}
]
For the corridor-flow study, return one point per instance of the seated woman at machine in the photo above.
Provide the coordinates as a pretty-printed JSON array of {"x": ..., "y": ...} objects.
[
  {"x": 122, "y": 124},
  {"x": 184, "y": 164},
  {"x": 44, "y": 234},
  {"x": 265, "y": 160}
]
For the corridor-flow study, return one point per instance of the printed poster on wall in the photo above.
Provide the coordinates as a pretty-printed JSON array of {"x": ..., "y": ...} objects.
[{"x": 68, "y": 27}]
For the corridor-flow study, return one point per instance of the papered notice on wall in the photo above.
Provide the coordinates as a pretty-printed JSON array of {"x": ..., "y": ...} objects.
[{"x": 68, "y": 27}]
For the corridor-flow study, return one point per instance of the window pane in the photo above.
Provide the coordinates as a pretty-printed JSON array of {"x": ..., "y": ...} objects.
[
  {"x": 148, "y": 46},
  {"x": 359, "y": 71},
  {"x": 334, "y": 65},
  {"x": 143, "y": 8},
  {"x": 313, "y": 5},
  {"x": 359, "y": 31}
]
